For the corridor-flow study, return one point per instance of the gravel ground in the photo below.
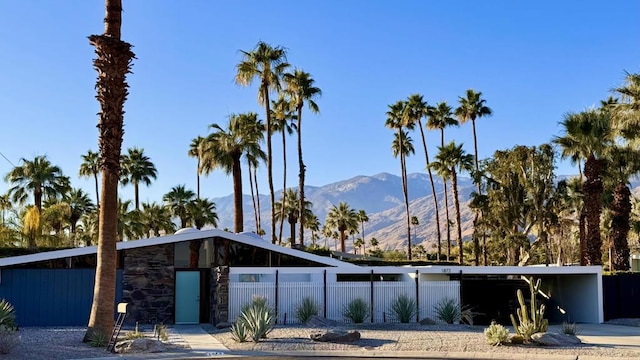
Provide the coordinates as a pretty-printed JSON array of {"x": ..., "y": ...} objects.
[
  {"x": 409, "y": 337},
  {"x": 66, "y": 343}
]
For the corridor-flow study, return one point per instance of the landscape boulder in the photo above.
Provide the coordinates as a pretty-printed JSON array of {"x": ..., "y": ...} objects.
[
  {"x": 335, "y": 336},
  {"x": 319, "y": 321},
  {"x": 143, "y": 345},
  {"x": 555, "y": 339},
  {"x": 428, "y": 321}
]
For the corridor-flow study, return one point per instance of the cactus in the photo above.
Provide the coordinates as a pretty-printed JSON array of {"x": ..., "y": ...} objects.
[{"x": 531, "y": 320}]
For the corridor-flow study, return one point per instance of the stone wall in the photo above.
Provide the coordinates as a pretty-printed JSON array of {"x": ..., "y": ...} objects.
[
  {"x": 149, "y": 285},
  {"x": 219, "y": 294}
]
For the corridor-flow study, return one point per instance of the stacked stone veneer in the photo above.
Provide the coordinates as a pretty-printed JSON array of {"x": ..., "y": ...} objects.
[
  {"x": 219, "y": 294},
  {"x": 149, "y": 285}
]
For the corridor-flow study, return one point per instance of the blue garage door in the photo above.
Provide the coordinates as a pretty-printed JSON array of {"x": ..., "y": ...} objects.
[{"x": 51, "y": 297}]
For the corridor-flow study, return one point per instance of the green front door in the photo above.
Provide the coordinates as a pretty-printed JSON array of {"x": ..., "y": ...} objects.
[{"x": 187, "y": 297}]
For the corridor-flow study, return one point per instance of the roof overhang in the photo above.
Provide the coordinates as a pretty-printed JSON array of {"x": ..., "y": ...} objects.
[{"x": 244, "y": 238}]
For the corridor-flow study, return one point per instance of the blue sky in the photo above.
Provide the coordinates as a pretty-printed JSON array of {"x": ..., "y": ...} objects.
[{"x": 532, "y": 60}]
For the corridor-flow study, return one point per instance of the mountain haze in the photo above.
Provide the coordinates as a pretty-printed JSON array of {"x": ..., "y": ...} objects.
[{"x": 381, "y": 197}]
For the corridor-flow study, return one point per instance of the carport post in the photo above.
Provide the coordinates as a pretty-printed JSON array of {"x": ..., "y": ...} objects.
[
  {"x": 276, "y": 296},
  {"x": 324, "y": 292},
  {"x": 417, "y": 298},
  {"x": 371, "y": 279}
]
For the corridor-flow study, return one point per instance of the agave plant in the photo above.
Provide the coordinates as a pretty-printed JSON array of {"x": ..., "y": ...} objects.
[
  {"x": 7, "y": 315},
  {"x": 403, "y": 308}
]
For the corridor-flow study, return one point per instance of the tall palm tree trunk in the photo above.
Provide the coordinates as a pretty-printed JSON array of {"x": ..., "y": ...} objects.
[
  {"x": 342, "y": 245},
  {"x": 446, "y": 203},
  {"x": 112, "y": 63},
  {"x": 253, "y": 197},
  {"x": 433, "y": 190},
  {"x": 198, "y": 179},
  {"x": 265, "y": 92},
  {"x": 454, "y": 185},
  {"x": 476, "y": 241},
  {"x": 95, "y": 177},
  {"x": 136, "y": 195},
  {"x": 592, "y": 195},
  {"x": 364, "y": 242},
  {"x": 405, "y": 192},
  {"x": 255, "y": 181},
  {"x": 619, "y": 258},
  {"x": 238, "y": 221},
  {"x": 292, "y": 226},
  {"x": 284, "y": 181},
  {"x": 301, "y": 177}
]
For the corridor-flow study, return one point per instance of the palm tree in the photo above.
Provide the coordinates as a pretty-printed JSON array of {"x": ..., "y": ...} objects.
[
  {"x": 588, "y": 134},
  {"x": 396, "y": 120},
  {"x": 267, "y": 64},
  {"x": 79, "y": 205},
  {"x": 137, "y": 168},
  {"x": 471, "y": 108},
  {"x": 357, "y": 244},
  {"x": 440, "y": 117},
  {"x": 156, "y": 218},
  {"x": 37, "y": 177},
  {"x": 195, "y": 151},
  {"x": 5, "y": 204},
  {"x": 224, "y": 150},
  {"x": 253, "y": 161},
  {"x": 363, "y": 218},
  {"x": 314, "y": 225},
  {"x": 130, "y": 226},
  {"x": 90, "y": 167},
  {"x": 282, "y": 121},
  {"x": 403, "y": 146},
  {"x": 343, "y": 218},
  {"x": 622, "y": 163},
  {"x": 417, "y": 109},
  {"x": 177, "y": 201},
  {"x": 415, "y": 222},
  {"x": 287, "y": 208},
  {"x": 201, "y": 212},
  {"x": 450, "y": 159},
  {"x": 300, "y": 87},
  {"x": 626, "y": 113},
  {"x": 112, "y": 63}
]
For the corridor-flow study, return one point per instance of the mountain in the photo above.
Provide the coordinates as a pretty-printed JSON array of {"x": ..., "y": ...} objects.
[{"x": 381, "y": 197}]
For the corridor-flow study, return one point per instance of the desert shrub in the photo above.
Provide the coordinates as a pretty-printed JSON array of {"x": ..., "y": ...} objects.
[
  {"x": 135, "y": 334},
  {"x": 306, "y": 309},
  {"x": 97, "y": 338},
  {"x": 239, "y": 332},
  {"x": 496, "y": 334},
  {"x": 467, "y": 314},
  {"x": 161, "y": 332},
  {"x": 448, "y": 310},
  {"x": 356, "y": 311},
  {"x": 7, "y": 315},
  {"x": 570, "y": 328},
  {"x": 9, "y": 339},
  {"x": 403, "y": 308}
]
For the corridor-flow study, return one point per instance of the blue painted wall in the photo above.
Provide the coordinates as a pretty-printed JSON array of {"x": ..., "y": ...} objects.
[{"x": 51, "y": 297}]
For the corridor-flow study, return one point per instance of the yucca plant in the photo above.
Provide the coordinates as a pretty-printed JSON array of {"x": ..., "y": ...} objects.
[
  {"x": 306, "y": 309},
  {"x": 496, "y": 334},
  {"x": 7, "y": 315},
  {"x": 356, "y": 311},
  {"x": 403, "y": 308},
  {"x": 448, "y": 310}
]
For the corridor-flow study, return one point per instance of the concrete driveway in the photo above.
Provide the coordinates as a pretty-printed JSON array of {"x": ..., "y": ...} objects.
[{"x": 607, "y": 335}]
